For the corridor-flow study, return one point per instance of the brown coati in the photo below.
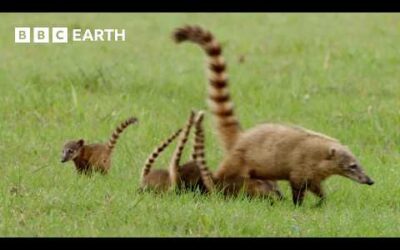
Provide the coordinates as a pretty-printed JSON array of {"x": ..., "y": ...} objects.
[
  {"x": 269, "y": 151},
  {"x": 93, "y": 157},
  {"x": 181, "y": 177},
  {"x": 229, "y": 186}
]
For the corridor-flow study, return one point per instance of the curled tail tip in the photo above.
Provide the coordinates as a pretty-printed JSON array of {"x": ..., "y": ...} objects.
[
  {"x": 199, "y": 117},
  {"x": 192, "y": 116},
  {"x": 133, "y": 120},
  {"x": 194, "y": 33},
  {"x": 192, "y": 112},
  {"x": 181, "y": 34}
]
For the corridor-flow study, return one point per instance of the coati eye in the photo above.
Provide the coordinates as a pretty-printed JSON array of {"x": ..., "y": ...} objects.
[
  {"x": 70, "y": 150},
  {"x": 353, "y": 166}
]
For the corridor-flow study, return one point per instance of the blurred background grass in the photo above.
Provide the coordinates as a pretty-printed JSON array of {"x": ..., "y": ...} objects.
[{"x": 333, "y": 73}]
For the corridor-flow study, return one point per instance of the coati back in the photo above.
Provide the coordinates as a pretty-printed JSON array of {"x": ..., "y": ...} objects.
[
  {"x": 93, "y": 157},
  {"x": 231, "y": 186},
  {"x": 185, "y": 177},
  {"x": 270, "y": 151}
]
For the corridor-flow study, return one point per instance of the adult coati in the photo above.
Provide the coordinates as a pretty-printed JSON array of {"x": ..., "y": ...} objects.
[
  {"x": 269, "y": 151},
  {"x": 232, "y": 186},
  {"x": 185, "y": 177},
  {"x": 93, "y": 157}
]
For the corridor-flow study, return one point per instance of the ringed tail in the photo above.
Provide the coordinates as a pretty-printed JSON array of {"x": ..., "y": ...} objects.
[
  {"x": 199, "y": 152},
  {"x": 176, "y": 157},
  {"x": 220, "y": 103},
  {"x": 157, "y": 151},
  {"x": 115, "y": 135}
]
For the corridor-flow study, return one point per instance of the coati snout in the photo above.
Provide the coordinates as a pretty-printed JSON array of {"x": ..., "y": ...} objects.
[
  {"x": 349, "y": 166},
  {"x": 369, "y": 181},
  {"x": 356, "y": 173}
]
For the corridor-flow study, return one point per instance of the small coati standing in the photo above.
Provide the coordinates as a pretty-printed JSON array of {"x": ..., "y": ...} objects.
[
  {"x": 230, "y": 186},
  {"x": 269, "y": 151},
  {"x": 93, "y": 157},
  {"x": 185, "y": 177}
]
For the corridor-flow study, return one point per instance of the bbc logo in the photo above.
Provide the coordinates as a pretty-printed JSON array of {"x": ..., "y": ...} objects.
[{"x": 41, "y": 35}]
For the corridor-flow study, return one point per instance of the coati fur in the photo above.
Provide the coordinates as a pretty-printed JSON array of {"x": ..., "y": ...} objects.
[
  {"x": 269, "y": 151},
  {"x": 178, "y": 177},
  {"x": 232, "y": 186},
  {"x": 93, "y": 157}
]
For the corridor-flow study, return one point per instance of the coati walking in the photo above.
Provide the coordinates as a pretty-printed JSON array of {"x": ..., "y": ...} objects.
[
  {"x": 185, "y": 177},
  {"x": 93, "y": 157},
  {"x": 231, "y": 186},
  {"x": 269, "y": 151}
]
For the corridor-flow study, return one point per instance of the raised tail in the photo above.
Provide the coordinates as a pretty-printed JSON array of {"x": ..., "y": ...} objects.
[
  {"x": 176, "y": 157},
  {"x": 115, "y": 135},
  {"x": 199, "y": 152},
  {"x": 156, "y": 152},
  {"x": 220, "y": 103}
]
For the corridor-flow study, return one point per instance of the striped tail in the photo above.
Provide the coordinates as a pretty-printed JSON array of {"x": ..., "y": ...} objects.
[
  {"x": 220, "y": 103},
  {"x": 115, "y": 135},
  {"x": 199, "y": 152},
  {"x": 152, "y": 158},
  {"x": 174, "y": 165}
]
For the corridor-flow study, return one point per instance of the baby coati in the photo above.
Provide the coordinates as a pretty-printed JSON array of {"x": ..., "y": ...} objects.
[
  {"x": 269, "y": 151},
  {"x": 185, "y": 177},
  {"x": 93, "y": 157},
  {"x": 229, "y": 186}
]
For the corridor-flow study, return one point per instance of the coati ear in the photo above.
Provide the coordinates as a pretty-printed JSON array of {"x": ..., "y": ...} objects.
[
  {"x": 331, "y": 153},
  {"x": 81, "y": 142}
]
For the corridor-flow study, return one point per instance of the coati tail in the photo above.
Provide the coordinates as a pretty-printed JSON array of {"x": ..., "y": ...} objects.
[
  {"x": 152, "y": 158},
  {"x": 206, "y": 175},
  {"x": 220, "y": 102},
  {"x": 119, "y": 130},
  {"x": 176, "y": 157}
]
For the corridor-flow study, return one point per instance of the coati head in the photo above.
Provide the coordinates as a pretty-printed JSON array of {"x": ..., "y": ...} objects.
[
  {"x": 71, "y": 150},
  {"x": 347, "y": 165}
]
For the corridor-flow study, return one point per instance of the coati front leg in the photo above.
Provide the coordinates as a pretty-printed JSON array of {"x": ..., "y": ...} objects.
[
  {"x": 316, "y": 188},
  {"x": 298, "y": 191},
  {"x": 299, "y": 188}
]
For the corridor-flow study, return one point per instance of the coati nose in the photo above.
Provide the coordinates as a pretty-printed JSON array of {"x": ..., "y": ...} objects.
[
  {"x": 369, "y": 181},
  {"x": 63, "y": 160}
]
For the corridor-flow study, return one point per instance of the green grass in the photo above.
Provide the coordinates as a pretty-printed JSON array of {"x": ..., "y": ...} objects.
[{"x": 333, "y": 73}]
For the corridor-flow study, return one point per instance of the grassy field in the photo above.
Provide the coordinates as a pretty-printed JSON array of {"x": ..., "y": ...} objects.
[{"x": 333, "y": 73}]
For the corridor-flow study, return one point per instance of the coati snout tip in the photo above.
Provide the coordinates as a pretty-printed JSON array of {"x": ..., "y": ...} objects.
[
  {"x": 64, "y": 158},
  {"x": 366, "y": 180},
  {"x": 369, "y": 181}
]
